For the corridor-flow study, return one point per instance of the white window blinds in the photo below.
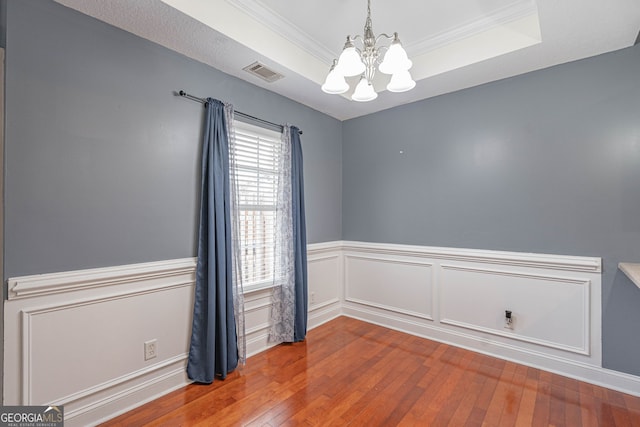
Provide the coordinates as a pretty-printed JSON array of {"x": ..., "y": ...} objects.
[{"x": 256, "y": 154}]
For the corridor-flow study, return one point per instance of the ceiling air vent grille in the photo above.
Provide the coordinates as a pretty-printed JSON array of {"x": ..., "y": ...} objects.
[{"x": 261, "y": 70}]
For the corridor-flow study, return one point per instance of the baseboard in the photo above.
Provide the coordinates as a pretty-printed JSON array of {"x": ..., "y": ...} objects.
[
  {"x": 117, "y": 403},
  {"x": 580, "y": 371},
  {"x": 323, "y": 315}
]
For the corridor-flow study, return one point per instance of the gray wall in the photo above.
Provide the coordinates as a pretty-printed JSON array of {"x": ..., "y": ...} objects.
[
  {"x": 546, "y": 162},
  {"x": 102, "y": 160}
]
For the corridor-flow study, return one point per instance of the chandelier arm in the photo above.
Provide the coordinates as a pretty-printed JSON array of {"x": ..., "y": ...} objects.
[
  {"x": 357, "y": 37},
  {"x": 386, "y": 36}
]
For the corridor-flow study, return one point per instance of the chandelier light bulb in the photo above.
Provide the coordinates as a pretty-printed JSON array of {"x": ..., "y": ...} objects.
[
  {"x": 335, "y": 83},
  {"x": 401, "y": 81},
  {"x": 349, "y": 63},
  {"x": 395, "y": 59},
  {"x": 364, "y": 91}
]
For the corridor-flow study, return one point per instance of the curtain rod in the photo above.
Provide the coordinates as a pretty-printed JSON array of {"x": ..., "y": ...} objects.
[{"x": 240, "y": 113}]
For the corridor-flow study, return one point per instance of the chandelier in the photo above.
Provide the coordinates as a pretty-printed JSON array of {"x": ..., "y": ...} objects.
[{"x": 364, "y": 61}]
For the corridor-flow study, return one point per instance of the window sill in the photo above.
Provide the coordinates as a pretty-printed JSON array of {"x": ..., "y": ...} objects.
[{"x": 257, "y": 287}]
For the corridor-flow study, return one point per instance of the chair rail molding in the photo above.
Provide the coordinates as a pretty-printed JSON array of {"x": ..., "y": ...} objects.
[{"x": 52, "y": 283}]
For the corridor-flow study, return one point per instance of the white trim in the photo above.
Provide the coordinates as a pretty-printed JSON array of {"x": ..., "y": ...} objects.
[
  {"x": 586, "y": 321},
  {"x": 426, "y": 316},
  {"x": 501, "y": 348},
  {"x": 557, "y": 262},
  {"x": 632, "y": 270},
  {"x": 72, "y": 296},
  {"x": 276, "y": 23},
  {"x": 314, "y": 249},
  {"x": 70, "y": 281},
  {"x": 258, "y": 307},
  {"x": 614, "y": 380},
  {"x": 130, "y": 398},
  {"x": 285, "y": 28},
  {"x": 255, "y": 288},
  {"x": 316, "y": 258},
  {"x": 258, "y": 344},
  {"x": 320, "y": 316},
  {"x": 26, "y": 334},
  {"x": 179, "y": 362},
  {"x": 64, "y": 292},
  {"x": 324, "y": 304},
  {"x": 31, "y": 295},
  {"x": 254, "y": 330},
  {"x": 502, "y": 16}
]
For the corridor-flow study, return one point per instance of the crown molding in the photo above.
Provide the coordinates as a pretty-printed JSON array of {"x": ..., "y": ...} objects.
[
  {"x": 283, "y": 27},
  {"x": 501, "y": 16},
  {"x": 287, "y": 29}
]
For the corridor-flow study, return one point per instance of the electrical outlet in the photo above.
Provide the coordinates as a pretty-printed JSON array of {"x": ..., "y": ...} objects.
[
  {"x": 508, "y": 325},
  {"x": 313, "y": 297},
  {"x": 150, "y": 349},
  {"x": 508, "y": 319}
]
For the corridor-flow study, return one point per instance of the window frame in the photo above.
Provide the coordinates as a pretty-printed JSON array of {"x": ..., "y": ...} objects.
[{"x": 266, "y": 134}]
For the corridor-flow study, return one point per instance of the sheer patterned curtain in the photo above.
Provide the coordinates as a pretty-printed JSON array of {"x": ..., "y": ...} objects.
[
  {"x": 217, "y": 334},
  {"x": 283, "y": 307},
  {"x": 289, "y": 307},
  {"x": 238, "y": 289}
]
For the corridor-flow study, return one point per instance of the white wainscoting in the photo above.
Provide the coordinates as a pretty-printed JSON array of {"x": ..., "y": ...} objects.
[
  {"x": 77, "y": 338},
  {"x": 326, "y": 290},
  {"x": 459, "y": 296},
  {"x": 400, "y": 286},
  {"x": 547, "y": 309}
]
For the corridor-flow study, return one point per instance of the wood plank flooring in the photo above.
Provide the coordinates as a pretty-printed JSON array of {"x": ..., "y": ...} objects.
[{"x": 352, "y": 373}]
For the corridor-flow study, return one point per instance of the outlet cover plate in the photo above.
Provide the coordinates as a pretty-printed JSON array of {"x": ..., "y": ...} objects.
[{"x": 150, "y": 349}]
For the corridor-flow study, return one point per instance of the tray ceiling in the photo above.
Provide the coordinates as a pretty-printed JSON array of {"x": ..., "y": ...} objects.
[{"x": 454, "y": 44}]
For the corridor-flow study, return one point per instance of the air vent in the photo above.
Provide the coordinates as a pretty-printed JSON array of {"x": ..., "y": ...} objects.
[{"x": 261, "y": 70}]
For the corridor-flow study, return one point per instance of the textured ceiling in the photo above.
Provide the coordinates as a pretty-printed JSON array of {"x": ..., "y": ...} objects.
[{"x": 454, "y": 44}]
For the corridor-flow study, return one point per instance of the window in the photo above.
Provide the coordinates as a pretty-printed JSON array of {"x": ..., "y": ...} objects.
[{"x": 256, "y": 152}]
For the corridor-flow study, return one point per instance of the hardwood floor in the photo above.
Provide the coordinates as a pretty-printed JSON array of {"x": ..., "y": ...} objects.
[{"x": 353, "y": 373}]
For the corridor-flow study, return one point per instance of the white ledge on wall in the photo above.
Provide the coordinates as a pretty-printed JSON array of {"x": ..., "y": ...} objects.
[
  {"x": 68, "y": 281},
  {"x": 555, "y": 262},
  {"x": 632, "y": 270}
]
